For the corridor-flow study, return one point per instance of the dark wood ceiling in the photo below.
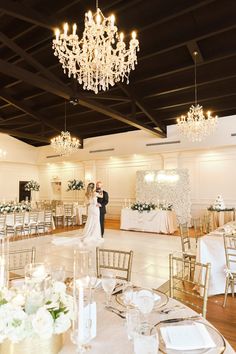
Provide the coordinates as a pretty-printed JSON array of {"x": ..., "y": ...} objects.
[{"x": 34, "y": 89}]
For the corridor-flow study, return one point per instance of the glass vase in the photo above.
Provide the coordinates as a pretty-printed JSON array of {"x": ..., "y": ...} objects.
[
  {"x": 4, "y": 261},
  {"x": 82, "y": 322}
]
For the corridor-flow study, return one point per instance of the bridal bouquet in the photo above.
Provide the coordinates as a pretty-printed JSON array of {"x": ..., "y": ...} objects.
[
  {"x": 32, "y": 186},
  {"x": 140, "y": 207},
  {"x": 54, "y": 317},
  {"x": 75, "y": 185}
]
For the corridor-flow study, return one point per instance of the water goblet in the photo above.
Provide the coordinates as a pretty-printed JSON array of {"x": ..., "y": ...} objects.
[{"x": 108, "y": 284}]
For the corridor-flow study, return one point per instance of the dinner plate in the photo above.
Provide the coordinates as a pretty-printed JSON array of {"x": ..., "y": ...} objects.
[
  {"x": 162, "y": 299},
  {"x": 214, "y": 335}
]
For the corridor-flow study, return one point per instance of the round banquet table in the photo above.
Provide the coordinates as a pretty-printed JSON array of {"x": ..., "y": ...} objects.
[{"x": 111, "y": 332}]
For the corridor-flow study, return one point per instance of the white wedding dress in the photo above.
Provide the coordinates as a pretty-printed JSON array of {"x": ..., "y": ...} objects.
[{"x": 91, "y": 235}]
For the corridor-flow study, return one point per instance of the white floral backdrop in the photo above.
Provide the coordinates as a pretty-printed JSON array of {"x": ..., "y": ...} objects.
[{"x": 176, "y": 193}]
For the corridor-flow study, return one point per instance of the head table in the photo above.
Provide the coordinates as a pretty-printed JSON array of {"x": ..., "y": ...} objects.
[
  {"x": 159, "y": 221},
  {"x": 111, "y": 332}
]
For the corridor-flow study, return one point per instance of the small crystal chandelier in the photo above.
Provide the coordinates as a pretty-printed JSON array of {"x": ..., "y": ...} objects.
[
  {"x": 196, "y": 125},
  {"x": 100, "y": 58},
  {"x": 64, "y": 144}
]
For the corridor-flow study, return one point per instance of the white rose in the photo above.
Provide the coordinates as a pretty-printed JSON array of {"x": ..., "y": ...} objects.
[
  {"x": 42, "y": 323},
  {"x": 62, "y": 324},
  {"x": 59, "y": 287},
  {"x": 18, "y": 300},
  {"x": 15, "y": 327}
]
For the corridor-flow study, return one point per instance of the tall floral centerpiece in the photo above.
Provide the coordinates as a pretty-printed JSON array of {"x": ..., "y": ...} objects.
[
  {"x": 32, "y": 186},
  {"x": 75, "y": 185}
]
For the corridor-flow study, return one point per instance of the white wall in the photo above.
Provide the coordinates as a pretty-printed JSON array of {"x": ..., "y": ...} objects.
[
  {"x": 211, "y": 165},
  {"x": 20, "y": 164}
]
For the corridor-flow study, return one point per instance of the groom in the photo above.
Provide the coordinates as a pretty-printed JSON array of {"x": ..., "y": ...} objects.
[{"x": 102, "y": 202}]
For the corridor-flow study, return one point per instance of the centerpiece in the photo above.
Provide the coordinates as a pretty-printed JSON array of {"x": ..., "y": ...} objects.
[
  {"x": 11, "y": 207},
  {"x": 75, "y": 185},
  {"x": 144, "y": 206},
  {"x": 32, "y": 186},
  {"x": 38, "y": 332}
]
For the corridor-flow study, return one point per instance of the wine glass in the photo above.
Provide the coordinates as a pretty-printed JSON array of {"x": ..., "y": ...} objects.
[
  {"x": 108, "y": 284},
  {"x": 145, "y": 303}
]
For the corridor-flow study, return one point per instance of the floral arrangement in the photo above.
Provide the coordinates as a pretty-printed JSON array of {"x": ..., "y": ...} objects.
[
  {"x": 14, "y": 208},
  {"x": 54, "y": 317},
  {"x": 32, "y": 186},
  {"x": 75, "y": 185},
  {"x": 140, "y": 207},
  {"x": 165, "y": 206}
]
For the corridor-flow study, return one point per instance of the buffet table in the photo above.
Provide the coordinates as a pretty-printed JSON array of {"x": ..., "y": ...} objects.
[
  {"x": 159, "y": 221},
  {"x": 111, "y": 329},
  {"x": 211, "y": 250}
]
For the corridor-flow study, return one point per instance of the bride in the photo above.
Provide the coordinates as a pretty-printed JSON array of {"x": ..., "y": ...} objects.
[{"x": 91, "y": 235}]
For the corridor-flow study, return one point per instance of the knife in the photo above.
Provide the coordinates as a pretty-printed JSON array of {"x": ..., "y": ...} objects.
[{"x": 173, "y": 320}]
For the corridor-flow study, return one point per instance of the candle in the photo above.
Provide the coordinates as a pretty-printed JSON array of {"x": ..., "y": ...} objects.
[{"x": 81, "y": 314}]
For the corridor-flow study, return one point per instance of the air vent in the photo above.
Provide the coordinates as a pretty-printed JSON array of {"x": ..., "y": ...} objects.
[
  {"x": 52, "y": 156},
  {"x": 233, "y": 134},
  {"x": 101, "y": 150},
  {"x": 165, "y": 143}
]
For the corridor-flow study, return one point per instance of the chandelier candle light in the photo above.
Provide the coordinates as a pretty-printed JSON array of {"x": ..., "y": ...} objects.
[
  {"x": 100, "y": 58},
  {"x": 196, "y": 125},
  {"x": 64, "y": 144}
]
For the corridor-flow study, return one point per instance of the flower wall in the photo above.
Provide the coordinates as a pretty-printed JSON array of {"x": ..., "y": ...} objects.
[{"x": 175, "y": 191}]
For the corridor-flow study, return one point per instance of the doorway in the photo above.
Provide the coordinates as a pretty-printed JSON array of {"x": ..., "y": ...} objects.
[{"x": 23, "y": 194}]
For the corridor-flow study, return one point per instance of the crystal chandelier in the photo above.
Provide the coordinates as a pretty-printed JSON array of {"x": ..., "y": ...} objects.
[
  {"x": 196, "y": 125},
  {"x": 100, "y": 58},
  {"x": 64, "y": 144}
]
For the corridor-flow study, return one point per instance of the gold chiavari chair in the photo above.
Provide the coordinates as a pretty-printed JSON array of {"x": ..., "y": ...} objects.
[
  {"x": 69, "y": 217},
  {"x": 59, "y": 215},
  {"x": 32, "y": 223},
  {"x": 197, "y": 227},
  {"x": 3, "y": 225},
  {"x": 185, "y": 240},
  {"x": 120, "y": 261},
  {"x": 192, "y": 292},
  {"x": 18, "y": 260},
  {"x": 230, "y": 255},
  {"x": 46, "y": 225},
  {"x": 18, "y": 225}
]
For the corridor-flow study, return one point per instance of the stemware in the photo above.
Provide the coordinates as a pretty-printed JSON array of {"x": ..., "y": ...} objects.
[
  {"x": 108, "y": 284},
  {"x": 127, "y": 294},
  {"x": 145, "y": 303},
  {"x": 92, "y": 282}
]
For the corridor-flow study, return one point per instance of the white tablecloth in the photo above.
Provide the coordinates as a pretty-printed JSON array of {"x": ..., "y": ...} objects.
[
  {"x": 160, "y": 221},
  {"x": 211, "y": 250},
  {"x": 111, "y": 332}
]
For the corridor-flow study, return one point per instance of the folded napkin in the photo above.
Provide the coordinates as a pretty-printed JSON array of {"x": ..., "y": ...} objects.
[
  {"x": 187, "y": 337},
  {"x": 148, "y": 293}
]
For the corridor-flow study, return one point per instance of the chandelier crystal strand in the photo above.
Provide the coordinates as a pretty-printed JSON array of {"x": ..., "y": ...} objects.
[
  {"x": 100, "y": 58},
  {"x": 64, "y": 144},
  {"x": 196, "y": 125}
]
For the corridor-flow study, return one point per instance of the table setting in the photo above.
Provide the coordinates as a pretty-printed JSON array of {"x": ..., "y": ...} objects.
[{"x": 49, "y": 313}]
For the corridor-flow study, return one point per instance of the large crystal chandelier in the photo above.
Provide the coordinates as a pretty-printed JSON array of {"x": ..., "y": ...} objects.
[
  {"x": 64, "y": 144},
  {"x": 100, "y": 58},
  {"x": 196, "y": 125}
]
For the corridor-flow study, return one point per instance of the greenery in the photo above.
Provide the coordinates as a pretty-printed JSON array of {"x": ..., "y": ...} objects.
[
  {"x": 32, "y": 186},
  {"x": 213, "y": 208},
  {"x": 144, "y": 206},
  {"x": 75, "y": 185},
  {"x": 11, "y": 207}
]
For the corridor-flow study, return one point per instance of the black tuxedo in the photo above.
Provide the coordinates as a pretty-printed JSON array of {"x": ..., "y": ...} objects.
[{"x": 103, "y": 201}]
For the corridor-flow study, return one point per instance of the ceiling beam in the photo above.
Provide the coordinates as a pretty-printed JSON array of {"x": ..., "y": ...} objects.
[
  {"x": 17, "y": 134},
  {"x": 66, "y": 93},
  {"x": 138, "y": 101},
  {"x": 25, "y": 13},
  {"x": 23, "y": 107},
  {"x": 28, "y": 58}
]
